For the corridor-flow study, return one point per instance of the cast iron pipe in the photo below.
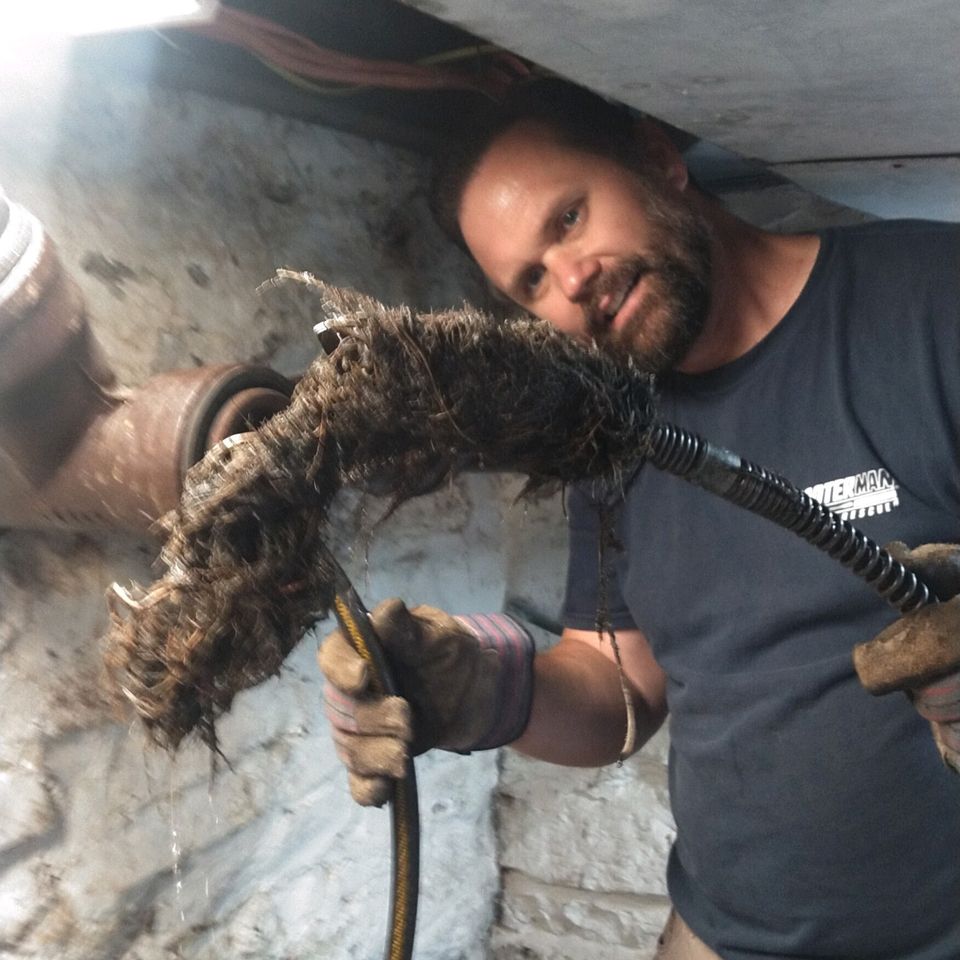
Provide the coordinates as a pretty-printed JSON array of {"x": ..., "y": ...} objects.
[{"x": 76, "y": 451}]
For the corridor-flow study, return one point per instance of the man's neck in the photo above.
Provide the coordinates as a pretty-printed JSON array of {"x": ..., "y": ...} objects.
[{"x": 757, "y": 277}]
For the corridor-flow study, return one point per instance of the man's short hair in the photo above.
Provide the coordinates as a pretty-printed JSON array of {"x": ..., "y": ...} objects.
[{"x": 579, "y": 117}]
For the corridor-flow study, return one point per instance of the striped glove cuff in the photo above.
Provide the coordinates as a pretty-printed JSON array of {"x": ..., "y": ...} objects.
[
  {"x": 939, "y": 702},
  {"x": 514, "y": 694}
]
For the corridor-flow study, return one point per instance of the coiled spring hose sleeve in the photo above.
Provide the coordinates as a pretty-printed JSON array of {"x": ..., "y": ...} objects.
[
  {"x": 684, "y": 454},
  {"x": 405, "y": 822}
]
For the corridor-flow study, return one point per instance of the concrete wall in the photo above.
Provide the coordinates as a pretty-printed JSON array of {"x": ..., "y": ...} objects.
[
  {"x": 856, "y": 102},
  {"x": 779, "y": 81}
]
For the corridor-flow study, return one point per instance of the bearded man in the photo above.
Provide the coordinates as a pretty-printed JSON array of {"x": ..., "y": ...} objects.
[{"x": 813, "y": 820}]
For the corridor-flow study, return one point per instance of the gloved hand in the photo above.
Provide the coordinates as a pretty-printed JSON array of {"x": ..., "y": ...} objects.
[
  {"x": 923, "y": 643},
  {"x": 466, "y": 684}
]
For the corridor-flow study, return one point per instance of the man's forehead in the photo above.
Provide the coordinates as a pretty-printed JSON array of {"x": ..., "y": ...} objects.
[
  {"x": 534, "y": 139},
  {"x": 511, "y": 193},
  {"x": 500, "y": 224}
]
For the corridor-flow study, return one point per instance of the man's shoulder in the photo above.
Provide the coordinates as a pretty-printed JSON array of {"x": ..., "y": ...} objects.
[
  {"x": 893, "y": 231},
  {"x": 890, "y": 255}
]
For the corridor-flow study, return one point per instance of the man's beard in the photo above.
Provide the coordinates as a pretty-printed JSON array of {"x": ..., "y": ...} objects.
[{"x": 676, "y": 299}]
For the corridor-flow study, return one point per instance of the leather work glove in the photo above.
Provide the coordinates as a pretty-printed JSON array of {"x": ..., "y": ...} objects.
[
  {"x": 466, "y": 684},
  {"x": 920, "y": 652}
]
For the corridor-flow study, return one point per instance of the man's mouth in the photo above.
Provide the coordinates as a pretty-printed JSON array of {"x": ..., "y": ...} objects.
[{"x": 614, "y": 309}]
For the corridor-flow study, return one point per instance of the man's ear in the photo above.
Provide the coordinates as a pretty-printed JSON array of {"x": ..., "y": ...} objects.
[{"x": 662, "y": 153}]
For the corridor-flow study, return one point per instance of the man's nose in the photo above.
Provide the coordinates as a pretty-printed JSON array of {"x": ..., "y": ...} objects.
[{"x": 574, "y": 272}]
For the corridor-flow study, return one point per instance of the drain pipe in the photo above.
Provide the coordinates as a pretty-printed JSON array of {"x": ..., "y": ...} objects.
[{"x": 76, "y": 450}]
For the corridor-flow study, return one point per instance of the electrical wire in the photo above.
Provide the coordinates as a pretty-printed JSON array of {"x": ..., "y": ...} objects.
[{"x": 300, "y": 61}]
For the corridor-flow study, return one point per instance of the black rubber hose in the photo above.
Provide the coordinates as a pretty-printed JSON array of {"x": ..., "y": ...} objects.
[
  {"x": 404, "y": 807},
  {"x": 355, "y": 623}
]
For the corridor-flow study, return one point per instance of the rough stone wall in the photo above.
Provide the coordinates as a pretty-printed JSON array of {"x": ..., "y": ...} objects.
[{"x": 169, "y": 210}]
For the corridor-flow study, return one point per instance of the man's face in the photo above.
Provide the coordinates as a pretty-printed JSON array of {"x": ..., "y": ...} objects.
[{"x": 596, "y": 249}]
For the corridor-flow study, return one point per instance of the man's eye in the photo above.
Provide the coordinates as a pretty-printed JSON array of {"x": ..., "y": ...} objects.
[
  {"x": 532, "y": 278},
  {"x": 570, "y": 218}
]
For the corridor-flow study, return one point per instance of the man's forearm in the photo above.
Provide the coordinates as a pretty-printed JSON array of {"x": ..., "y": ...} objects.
[{"x": 578, "y": 717}]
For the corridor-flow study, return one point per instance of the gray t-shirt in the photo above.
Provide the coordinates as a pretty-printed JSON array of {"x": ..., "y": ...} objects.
[{"x": 813, "y": 819}]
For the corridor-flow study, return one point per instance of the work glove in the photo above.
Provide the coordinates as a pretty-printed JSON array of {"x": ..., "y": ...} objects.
[
  {"x": 920, "y": 652},
  {"x": 466, "y": 684}
]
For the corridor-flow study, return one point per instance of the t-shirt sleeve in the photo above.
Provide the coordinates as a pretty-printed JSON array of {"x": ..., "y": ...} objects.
[{"x": 584, "y": 598}]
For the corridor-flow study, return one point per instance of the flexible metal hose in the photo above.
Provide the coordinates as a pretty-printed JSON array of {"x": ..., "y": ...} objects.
[{"x": 684, "y": 454}]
